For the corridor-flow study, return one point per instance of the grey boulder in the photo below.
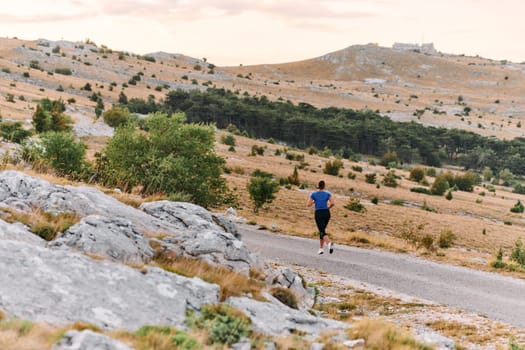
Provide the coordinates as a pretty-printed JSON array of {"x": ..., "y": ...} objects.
[
  {"x": 113, "y": 238},
  {"x": 61, "y": 287},
  {"x": 203, "y": 235},
  {"x": 18, "y": 232},
  {"x": 288, "y": 278},
  {"x": 88, "y": 340},
  {"x": 275, "y": 318}
]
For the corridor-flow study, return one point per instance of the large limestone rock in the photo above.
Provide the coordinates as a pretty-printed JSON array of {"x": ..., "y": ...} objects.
[
  {"x": 204, "y": 235},
  {"x": 113, "y": 238},
  {"x": 61, "y": 287},
  {"x": 187, "y": 216},
  {"x": 275, "y": 318},
  {"x": 187, "y": 229},
  {"x": 88, "y": 340},
  {"x": 24, "y": 193}
]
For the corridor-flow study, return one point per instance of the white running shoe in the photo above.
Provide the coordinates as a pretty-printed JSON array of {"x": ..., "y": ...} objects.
[
  {"x": 331, "y": 247},
  {"x": 320, "y": 252}
]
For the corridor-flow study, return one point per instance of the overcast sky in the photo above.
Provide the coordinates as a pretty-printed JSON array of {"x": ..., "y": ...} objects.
[{"x": 231, "y": 32}]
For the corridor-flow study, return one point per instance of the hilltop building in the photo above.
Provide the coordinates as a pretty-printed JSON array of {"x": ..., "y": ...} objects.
[{"x": 423, "y": 48}]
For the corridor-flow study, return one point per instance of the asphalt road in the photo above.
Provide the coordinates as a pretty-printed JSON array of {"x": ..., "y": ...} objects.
[{"x": 489, "y": 294}]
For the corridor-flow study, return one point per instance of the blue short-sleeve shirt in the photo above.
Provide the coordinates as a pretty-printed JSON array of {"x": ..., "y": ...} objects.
[{"x": 320, "y": 199}]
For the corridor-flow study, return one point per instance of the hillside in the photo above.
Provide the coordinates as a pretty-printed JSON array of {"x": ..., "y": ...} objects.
[
  {"x": 437, "y": 88},
  {"x": 471, "y": 93}
]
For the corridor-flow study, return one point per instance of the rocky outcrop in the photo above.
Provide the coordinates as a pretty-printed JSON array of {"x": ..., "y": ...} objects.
[
  {"x": 88, "y": 340},
  {"x": 207, "y": 236},
  {"x": 187, "y": 229},
  {"x": 61, "y": 287},
  {"x": 287, "y": 278},
  {"x": 113, "y": 238},
  {"x": 275, "y": 318}
]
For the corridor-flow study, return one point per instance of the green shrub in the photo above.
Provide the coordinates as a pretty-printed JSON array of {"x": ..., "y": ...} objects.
[
  {"x": 117, "y": 116},
  {"x": 421, "y": 190},
  {"x": 351, "y": 175},
  {"x": 228, "y": 140},
  {"x": 14, "y": 132},
  {"x": 332, "y": 167},
  {"x": 390, "y": 179},
  {"x": 63, "y": 71},
  {"x": 49, "y": 116},
  {"x": 389, "y": 158},
  {"x": 224, "y": 324},
  {"x": 518, "y": 253},
  {"x": 374, "y": 200},
  {"x": 285, "y": 296},
  {"x": 397, "y": 202},
  {"x": 355, "y": 205},
  {"x": 257, "y": 150},
  {"x": 294, "y": 178},
  {"x": 59, "y": 151},
  {"x": 168, "y": 156},
  {"x": 262, "y": 190},
  {"x": 357, "y": 168},
  {"x": 517, "y": 208},
  {"x": 446, "y": 239},
  {"x": 370, "y": 178},
  {"x": 449, "y": 195},
  {"x": 440, "y": 185},
  {"x": 417, "y": 174}
]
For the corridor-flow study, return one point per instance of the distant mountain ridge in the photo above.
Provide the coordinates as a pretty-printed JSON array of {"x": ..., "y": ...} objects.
[{"x": 404, "y": 82}]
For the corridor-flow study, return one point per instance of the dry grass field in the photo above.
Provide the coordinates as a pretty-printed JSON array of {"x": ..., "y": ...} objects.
[{"x": 481, "y": 223}]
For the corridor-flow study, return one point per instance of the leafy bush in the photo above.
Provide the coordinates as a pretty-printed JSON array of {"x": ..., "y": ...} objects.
[
  {"x": 257, "y": 150},
  {"x": 357, "y": 168},
  {"x": 417, "y": 174},
  {"x": 165, "y": 338},
  {"x": 49, "y": 116},
  {"x": 14, "y": 132},
  {"x": 517, "y": 208},
  {"x": 285, "y": 296},
  {"x": 63, "y": 71},
  {"x": 332, "y": 167},
  {"x": 440, "y": 185},
  {"x": 518, "y": 253},
  {"x": 466, "y": 181},
  {"x": 168, "y": 157},
  {"x": 355, "y": 205},
  {"x": 448, "y": 196},
  {"x": 390, "y": 179},
  {"x": 446, "y": 239},
  {"x": 116, "y": 116},
  {"x": 519, "y": 188},
  {"x": 262, "y": 190},
  {"x": 370, "y": 178},
  {"x": 294, "y": 178},
  {"x": 389, "y": 158},
  {"x": 421, "y": 190},
  {"x": 228, "y": 140},
  {"x": 59, "y": 151},
  {"x": 351, "y": 175},
  {"x": 224, "y": 324},
  {"x": 374, "y": 200}
]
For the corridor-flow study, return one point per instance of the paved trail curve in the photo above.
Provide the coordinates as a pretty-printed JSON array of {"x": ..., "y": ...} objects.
[{"x": 495, "y": 296}]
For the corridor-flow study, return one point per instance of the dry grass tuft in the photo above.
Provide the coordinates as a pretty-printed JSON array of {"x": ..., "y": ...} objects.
[
  {"x": 231, "y": 283},
  {"x": 381, "y": 335},
  {"x": 44, "y": 224},
  {"x": 23, "y": 335}
]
